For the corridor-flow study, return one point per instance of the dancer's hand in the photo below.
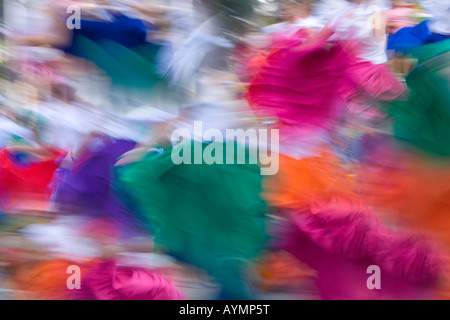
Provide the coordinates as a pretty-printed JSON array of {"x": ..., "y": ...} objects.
[{"x": 132, "y": 156}]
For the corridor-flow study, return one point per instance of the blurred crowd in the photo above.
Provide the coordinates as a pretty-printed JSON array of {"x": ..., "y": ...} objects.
[{"x": 91, "y": 92}]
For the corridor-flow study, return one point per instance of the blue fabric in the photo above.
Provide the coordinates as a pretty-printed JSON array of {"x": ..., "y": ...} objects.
[
  {"x": 409, "y": 38},
  {"x": 126, "y": 31}
]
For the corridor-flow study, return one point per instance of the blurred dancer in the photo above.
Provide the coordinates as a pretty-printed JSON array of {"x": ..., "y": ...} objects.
[
  {"x": 281, "y": 76},
  {"x": 117, "y": 45},
  {"x": 429, "y": 31},
  {"x": 326, "y": 223},
  {"x": 211, "y": 216},
  {"x": 93, "y": 245},
  {"x": 310, "y": 101}
]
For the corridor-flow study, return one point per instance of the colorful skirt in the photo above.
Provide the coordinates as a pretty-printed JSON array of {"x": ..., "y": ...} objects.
[
  {"x": 422, "y": 121},
  {"x": 85, "y": 187},
  {"x": 211, "y": 216},
  {"x": 26, "y": 184},
  {"x": 328, "y": 225}
]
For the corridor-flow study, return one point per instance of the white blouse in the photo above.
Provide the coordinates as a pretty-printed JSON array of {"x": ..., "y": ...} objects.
[{"x": 357, "y": 23}]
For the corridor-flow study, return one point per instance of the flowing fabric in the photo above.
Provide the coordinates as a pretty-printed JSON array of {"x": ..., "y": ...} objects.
[
  {"x": 330, "y": 225},
  {"x": 128, "y": 67},
  {"x": 209, "y": 215},
  {"x": 26, "y": 183},
  {"x": 299, "y": 183},
  {"x": 365, "y": 82},
  {"x": 121, "y": 50},
  {"x": 99, "y": 280},
  {"x": 410, "y": 38},
  {"x": 339, "y": 278},
  {"x": 423, "y": 120},
  {"x": 86, "y": 187},
  {"x": 308, "y": 86},
  {"x": 414, "y": 189},
  {"x": 412, "y": 186},
  {"x": 47, "y": 280},
  {"x": 297, "y": 86},
  {"x": 107, "y": 281}
]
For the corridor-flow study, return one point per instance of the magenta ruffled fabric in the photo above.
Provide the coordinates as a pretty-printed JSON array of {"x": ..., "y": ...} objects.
[
  {"x": 107, "y": 281},
  {"x": 340, "y": 238},
  {"x": 298, "y": 86},
  {"x": 309, "y": 85}
]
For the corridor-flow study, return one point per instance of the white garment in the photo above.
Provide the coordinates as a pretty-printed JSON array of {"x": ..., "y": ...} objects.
[
  {"x": 440, "y": 9},
  {"x": 66, "y": 125},
  {"x": 301, "y": 23},
  {"x": 189, "y": 57},
  {"x": 383, "y": 5},
  {"x": 274, "y": 28},
  {"x": 309, "y": 22},
  {"x": 120, "y": 127},
  {"x": 325, "y": 10},
  {"x": 355, "y": 23}
]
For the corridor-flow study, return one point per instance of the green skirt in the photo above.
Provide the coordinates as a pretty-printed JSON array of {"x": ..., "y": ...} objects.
[
  {"x": 423, "y": 121},
  {"x": 134, "y": 67},
  {"x": 211, "y": 216}
]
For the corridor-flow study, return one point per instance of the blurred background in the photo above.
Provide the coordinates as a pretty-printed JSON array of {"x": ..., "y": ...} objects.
[{"x": 86, "y": 177}]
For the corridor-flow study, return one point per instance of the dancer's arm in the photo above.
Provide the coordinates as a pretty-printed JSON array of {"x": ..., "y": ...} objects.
[
  {"x": 42, "y": 151},
  {"x": 380, "y": 28},
  {"x": 161, "y": 139}
]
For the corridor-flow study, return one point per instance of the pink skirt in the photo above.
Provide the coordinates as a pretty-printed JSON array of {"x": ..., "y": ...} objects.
[
  {"x": 298, "y": 86},
  {"x": 366, "y": 82},
  {"x": 310, "y": 86}
]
